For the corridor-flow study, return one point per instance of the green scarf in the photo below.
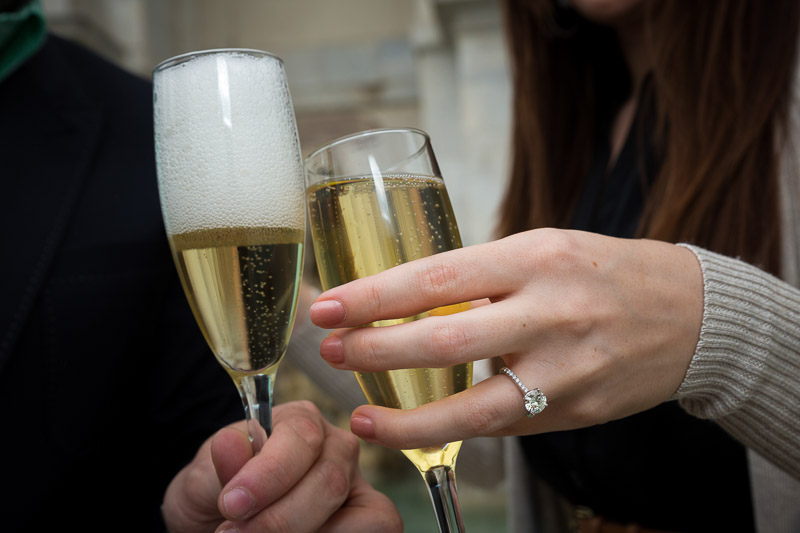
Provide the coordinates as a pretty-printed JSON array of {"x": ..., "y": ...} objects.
[{"x": 22, "y": 32}]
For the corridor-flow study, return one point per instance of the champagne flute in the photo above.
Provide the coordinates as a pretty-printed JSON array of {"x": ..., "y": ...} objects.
[
  {"x": 376, "y": 199},
  {"x": 230, "y": 180}
]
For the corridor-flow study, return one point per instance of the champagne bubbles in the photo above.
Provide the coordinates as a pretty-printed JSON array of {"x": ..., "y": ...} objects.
[{"x": 226, "y": 143}]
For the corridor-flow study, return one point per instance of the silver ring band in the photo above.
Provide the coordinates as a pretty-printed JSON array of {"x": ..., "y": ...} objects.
[{"x": 535, "y": 400}]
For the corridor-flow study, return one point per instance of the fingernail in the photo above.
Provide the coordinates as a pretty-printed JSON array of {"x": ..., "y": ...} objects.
[
  {"x": 238, "y": 503},
  {"x": 332, "y": 350},
  {"x": 234, "y": 530},
  {"x": 363, "y": 427},
  {"x": 328, "y": 313}
]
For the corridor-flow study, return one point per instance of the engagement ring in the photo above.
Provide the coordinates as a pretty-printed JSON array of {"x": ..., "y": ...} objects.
[{"x": 535, "y": 400}]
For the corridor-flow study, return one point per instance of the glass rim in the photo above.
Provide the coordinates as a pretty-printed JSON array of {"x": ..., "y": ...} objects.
[
  {"x": 367, "y": 133},
  {"x": 182, "y": 58}
]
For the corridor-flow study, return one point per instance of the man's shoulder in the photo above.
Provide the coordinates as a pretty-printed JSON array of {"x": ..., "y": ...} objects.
[{"x": 98, "y": 76}]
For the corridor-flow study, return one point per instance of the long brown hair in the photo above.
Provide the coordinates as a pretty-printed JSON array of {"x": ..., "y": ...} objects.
[{"x": 720, "y": 87}]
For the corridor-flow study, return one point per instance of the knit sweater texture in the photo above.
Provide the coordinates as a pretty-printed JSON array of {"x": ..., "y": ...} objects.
[{"x": 745, "y": 373}]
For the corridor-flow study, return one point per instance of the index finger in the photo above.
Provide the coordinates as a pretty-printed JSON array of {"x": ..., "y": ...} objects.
[{"x": 443, "y": 279}]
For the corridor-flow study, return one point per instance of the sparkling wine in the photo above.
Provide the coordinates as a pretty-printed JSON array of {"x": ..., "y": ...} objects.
[{"x": 242, "y": 285}]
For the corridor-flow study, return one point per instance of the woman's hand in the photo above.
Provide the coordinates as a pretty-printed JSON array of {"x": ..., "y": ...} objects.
[
  {"x": 604, "y": 327},
  {"x": 304, "y": 479}
]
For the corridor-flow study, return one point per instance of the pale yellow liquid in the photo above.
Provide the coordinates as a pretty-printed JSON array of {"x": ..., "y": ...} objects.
[
  {"x": 361, "y": 227},
  {"x": 242, "y": 285}
]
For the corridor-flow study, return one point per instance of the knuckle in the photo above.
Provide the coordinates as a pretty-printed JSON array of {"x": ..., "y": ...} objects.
[
  {"x": 586, "y": 412},
  {"x": 482, "y": 417},
  {"x": 310, "y": 407},
  {"x": 309, "y": 431},
  {"x": 393, "y": 524},
  {"x": 275, "y": 520},
  {"x": 368, "y": 352},
  {"x": 437, "y": 277},
  {"x": 572, "y": 316},
  {"x": 558, "y": 249},
  {"x": 399, "y": 434},
  {"x": 447, "y": 341},
  {"x": 384, "y": 519},
  {"x": 288, "y": 412},
  {"x": 197, "y": 475},
  {"x": 278, "y": 474},
  {"x": 336, "y": 479},
  {"x": 374, "y": 301}
]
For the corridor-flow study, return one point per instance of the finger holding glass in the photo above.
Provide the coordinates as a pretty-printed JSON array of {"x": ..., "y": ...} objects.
[
  {"x": 231, "y": 189},
  {"x": 592, "y": 329},
  {"x": 305, "y": 479}
]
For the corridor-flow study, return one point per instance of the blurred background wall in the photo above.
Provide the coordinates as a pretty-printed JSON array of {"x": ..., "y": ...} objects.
[{"x": 352, "y": 65}]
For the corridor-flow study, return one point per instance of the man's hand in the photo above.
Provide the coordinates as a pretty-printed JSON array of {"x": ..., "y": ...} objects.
[{"x": 304, "y": 479}]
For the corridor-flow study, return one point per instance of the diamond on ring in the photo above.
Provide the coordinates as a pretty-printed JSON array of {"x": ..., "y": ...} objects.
[{"x": 535, "y": 400}]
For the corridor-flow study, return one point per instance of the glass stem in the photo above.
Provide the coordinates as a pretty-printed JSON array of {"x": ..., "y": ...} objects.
[
  {"x": 441, "y": 481},
  {"x": 256, "y": 393}
]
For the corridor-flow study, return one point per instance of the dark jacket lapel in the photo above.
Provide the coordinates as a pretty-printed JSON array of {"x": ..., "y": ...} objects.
[{"x": 48, "y": 134}]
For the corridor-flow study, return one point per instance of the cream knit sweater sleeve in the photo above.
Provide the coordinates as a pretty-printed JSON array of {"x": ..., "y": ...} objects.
[{"x": 745, "y": 373}]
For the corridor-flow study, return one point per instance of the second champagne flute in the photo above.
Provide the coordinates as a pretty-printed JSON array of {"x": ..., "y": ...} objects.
[{"x": 376, "y": 199}]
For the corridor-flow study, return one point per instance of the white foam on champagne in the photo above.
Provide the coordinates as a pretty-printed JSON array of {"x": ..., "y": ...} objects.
[{"x": 226, "y": 145}]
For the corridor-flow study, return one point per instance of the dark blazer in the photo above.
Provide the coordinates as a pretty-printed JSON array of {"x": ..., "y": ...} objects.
[{"x": 106, "y": 385}]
